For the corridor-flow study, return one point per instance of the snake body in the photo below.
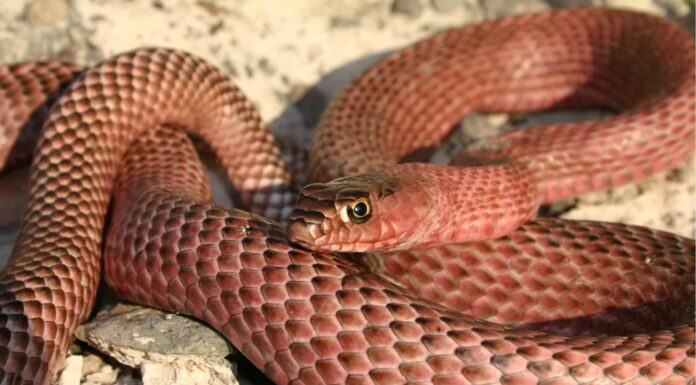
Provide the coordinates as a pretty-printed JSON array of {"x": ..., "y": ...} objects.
[
  {"x": 307, "y": 317},
  {"x": 637, "y": 65}
]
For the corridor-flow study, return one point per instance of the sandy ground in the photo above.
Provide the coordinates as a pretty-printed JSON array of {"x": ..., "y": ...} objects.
[{"x": 290, "y": 57}]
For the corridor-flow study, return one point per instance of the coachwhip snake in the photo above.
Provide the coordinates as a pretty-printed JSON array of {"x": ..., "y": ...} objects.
[{"x": 314, "y": 318}]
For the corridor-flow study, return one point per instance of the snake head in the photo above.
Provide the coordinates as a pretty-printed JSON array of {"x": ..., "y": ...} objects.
[{"x": 368, "y": 212}]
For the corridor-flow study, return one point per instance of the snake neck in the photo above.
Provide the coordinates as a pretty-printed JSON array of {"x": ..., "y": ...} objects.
[{"x": 468, "y": 203}]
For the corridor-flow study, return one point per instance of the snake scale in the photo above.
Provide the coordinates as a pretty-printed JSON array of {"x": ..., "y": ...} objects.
[{"x": 548, "y": 301}]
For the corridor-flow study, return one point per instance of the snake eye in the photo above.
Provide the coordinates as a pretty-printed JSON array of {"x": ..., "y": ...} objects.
[{"x": 359, "y": 210}]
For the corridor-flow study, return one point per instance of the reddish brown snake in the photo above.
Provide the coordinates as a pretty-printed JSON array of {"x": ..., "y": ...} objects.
[{"x": 313, "y": 318}]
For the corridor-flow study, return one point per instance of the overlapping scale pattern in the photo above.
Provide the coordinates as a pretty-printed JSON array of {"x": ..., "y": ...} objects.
[
  {"x": 49, "y": 283},
  {"x": 26, "y": 92},
  {"x": 569, "y": 277},
  {"x": 638, "y": 65},
  {"x": 312, "y": 318}
]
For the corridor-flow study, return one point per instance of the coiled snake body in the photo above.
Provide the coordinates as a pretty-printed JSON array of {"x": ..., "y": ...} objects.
[{"x": 319, "y": 318}]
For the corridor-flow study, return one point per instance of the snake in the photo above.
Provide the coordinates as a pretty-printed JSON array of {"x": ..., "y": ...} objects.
[{"x": 573, "y": 302}]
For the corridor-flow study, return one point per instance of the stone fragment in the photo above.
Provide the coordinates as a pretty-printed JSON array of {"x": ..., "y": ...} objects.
[
  {"x": 168, "y": 349},
  {"x": 448, "y": 5},
  {"x": 500, "y": 8},
  {"x": 411, "y": 8},
  {"x": 72, "y": 372}
]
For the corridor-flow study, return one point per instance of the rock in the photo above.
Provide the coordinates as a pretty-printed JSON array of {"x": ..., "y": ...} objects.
[
  {"x": 72, "y": 372},
  {"x": 411, "y": 8},
  {"x": 168, "y": 349},
  {"x": 107, "y": 375},
  {"x": 46, "y": 12},
  {"x": 499, "y": 8},
  {"x": 92, "y": 364},
  {"x": 447, "y": 5},
  {"x": 474, "y": 129}
]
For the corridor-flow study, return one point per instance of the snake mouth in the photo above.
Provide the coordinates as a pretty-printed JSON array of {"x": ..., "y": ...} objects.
[
  {"x": 304, "y": 227},
  {"x": 311, "y": 236}
]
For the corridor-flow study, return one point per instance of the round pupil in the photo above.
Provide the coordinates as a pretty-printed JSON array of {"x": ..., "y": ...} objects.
[{"x": 360, "y": 209}]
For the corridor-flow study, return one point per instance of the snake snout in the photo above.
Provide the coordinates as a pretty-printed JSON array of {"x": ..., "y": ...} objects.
[
  {"x": 313, "y": 208},
  {"x": 304, "y": 227},
  {"x": 299, "y": 232}
]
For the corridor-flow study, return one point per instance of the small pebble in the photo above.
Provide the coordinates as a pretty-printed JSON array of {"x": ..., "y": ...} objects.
[
  {"x": 411, "y": 8},
  {"x": 72, "y": 371},
  {"x": 500, "y": 8},
  {"x": 447, "y": 5}
]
